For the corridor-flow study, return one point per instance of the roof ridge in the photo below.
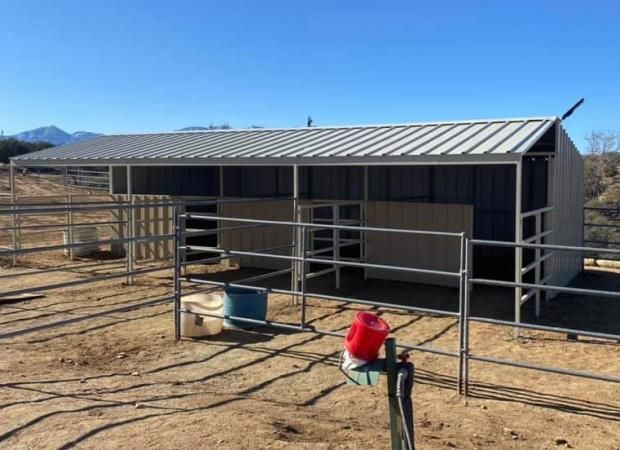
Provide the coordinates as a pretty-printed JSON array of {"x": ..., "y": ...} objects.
[{"x": 336, "y": 127}]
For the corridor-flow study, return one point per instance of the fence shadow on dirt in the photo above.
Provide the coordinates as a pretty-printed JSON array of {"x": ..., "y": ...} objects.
[{"x": 252, "y": 342}]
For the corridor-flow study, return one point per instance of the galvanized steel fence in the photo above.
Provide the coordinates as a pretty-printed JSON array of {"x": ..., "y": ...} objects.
[
  {"x": 464, "y": 275},
  {"x": 59, "y": 217},
  {"x": 601, "y": 228},
  {"x": 301, "y": 258},
  {"x": 93, "y": 178}
]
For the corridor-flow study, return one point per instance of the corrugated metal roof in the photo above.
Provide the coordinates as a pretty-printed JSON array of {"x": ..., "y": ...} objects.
[{"x": 489, "y": 140}]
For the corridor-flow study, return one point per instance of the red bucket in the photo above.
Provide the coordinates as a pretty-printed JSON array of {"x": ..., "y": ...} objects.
[{"x": 366, "y": 336}]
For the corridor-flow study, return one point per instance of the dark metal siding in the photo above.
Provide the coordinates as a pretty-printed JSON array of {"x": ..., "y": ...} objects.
[
  {"x": 489, "y": 188},
  {"x": 119, "y": 180},
  {"x": 178, "y": 180},
  {"x": 265, "y": 181},
  {"x": 400, "y": 183},
  {"x": 342, "y": 183}
]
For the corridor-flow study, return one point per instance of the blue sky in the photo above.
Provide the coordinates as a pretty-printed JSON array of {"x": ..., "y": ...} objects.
[{"x": 130, "y": 66}]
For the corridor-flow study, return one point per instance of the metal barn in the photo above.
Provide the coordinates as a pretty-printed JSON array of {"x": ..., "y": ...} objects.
[{"x": 512, "y": 180}]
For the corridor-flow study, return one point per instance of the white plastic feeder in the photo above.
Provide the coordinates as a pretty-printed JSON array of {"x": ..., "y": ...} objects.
[{"x": 195, "y": 325}]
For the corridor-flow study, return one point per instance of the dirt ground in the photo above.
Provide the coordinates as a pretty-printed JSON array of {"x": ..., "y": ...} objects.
[
  {"x": 47, "y": 189},
  {"x": 121, "y": 380}
]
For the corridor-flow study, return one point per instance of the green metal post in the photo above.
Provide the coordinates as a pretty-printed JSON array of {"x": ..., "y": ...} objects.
[{"x": 392, "y": 373}]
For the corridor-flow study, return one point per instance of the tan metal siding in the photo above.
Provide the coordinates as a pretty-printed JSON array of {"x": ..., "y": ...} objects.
[
  {"x": 255, "y": 239},
  {"x": 568, "y": 199},
  {"x": 423, "y": 252},
  {"x": 149, "y": 222}
]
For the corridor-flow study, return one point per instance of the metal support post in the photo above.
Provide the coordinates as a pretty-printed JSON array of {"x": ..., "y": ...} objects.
[
  {"x": 110, "y": 180},
  {"x": 336, "y": 241},
  {"x": 295, "y": 234},
  {"x": 183, "y": 238},
  {"x": 518, "y": 250},
  {"x": 220, "y": 208},
  {"x": 537, "y": 255},
  {"x": 70, "y": 224},
  {"x": 177, "y": 274},
  {"x": 312, "y": 241},
  {"x": 364, "y": 214},
  {"x": 466, "y": 310},
  {"x": 462, "y": 288},
  {"x": 131, "y": 245},
  {"x": 303, "y": 275},
  {"x": 14, "y": 215},
  {"x": 69, "y": 213}
]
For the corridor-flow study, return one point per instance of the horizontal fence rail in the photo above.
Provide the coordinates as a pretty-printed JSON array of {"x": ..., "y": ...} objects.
[
  {"x": 606, "y": 233},
  {"x": 95, "y": 279},
  {"x": 300, "y": 256},
  {"x": 47, "y": 248},
  {"x": 466, "y": 284},
  {"x": 97, "y": 206},
  {"x": 472, "y": 281},
  {"x": 303, "y": 260},
  {"x": 59, "y": 217}
]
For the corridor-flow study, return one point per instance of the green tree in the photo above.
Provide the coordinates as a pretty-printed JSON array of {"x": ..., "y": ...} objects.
[{"x": 12, "y": 147}]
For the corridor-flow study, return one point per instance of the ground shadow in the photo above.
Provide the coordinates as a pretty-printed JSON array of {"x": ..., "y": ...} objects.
[
  {"x": 388, "y": 292},
  {"x": 478, "y": 390},
  {"x": 589, "y": 313},
  {"x": 243, "y": 337},
  {"x": 586, "y": 312}
]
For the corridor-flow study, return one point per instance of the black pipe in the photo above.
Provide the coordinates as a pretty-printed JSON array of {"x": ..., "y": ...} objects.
[{"x": 404, "y": 388}]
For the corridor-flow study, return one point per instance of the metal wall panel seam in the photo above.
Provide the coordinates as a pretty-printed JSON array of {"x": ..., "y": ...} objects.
[
  {"x": 418, "y": 132},
  {"x": 190, "y": 142},
  {"x": 510, "y": 135},
  {"x": 485, "y": 137},
  {"x": 311, "y": 152},
  {"x": 302, "y": 138},
  {"x": 435, "y": 145},
  {"x": 252, "y": 145},
  {"x": 489, "y": 144},
  {"x": 338, "y": 148},
  {"x": 484, "y": 127},
  {"x": 201, "y": 147},
  {"x": 394, "y": 140},
  {"x": 327, "y": 139},
  {"x": 395, "y": 133},
  {"x": 222, "y": 145},
  {"x": 267, "y": 142},
  {"x": 528, "y": 141}
]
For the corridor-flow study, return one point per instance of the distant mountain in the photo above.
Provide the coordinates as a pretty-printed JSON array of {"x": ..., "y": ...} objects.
[
  {"x": 53, "y": 135},
  {"x": 56, "y": 136},
  {"x": 224, "y": 126},
  {"x": 194, "y": 129},
  {"x": 83, "y": 135}
]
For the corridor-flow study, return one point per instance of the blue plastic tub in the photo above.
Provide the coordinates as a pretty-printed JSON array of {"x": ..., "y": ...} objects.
[{"x": 246, "y": 303}]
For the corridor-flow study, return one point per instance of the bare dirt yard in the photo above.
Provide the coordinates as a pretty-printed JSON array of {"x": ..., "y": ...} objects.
[{"x": 120, "y": 380}]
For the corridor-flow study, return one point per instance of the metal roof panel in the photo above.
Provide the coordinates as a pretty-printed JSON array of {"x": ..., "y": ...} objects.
[{"x": 374, "y": 143}]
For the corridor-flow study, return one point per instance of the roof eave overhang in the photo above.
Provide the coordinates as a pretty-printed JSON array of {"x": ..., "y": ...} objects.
[{"x": 421, "y": 160}]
